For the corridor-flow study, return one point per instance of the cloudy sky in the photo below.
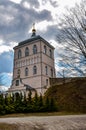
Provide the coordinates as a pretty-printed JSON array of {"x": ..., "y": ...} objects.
[{"x": 16, "y": 20}]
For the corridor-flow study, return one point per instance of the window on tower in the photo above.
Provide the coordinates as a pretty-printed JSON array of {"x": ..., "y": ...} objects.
[
  {"x": 18, "y": 73},
  {"x": 50, "y": 53},
  {"x": 26, "y": 71},
  {"x": 34, "y": 49},
  {"x": 19, "y": 54},
  {"x": 51, "y": 73},
  {"x": 26, "y": 51},
  {"x": 46, "y": 70},
  {"x": 34, "y": 70},
  {"x": 17, "y": 82},
  {"x": 45, "y": 49},
  {"x": 46, "y": 82}
]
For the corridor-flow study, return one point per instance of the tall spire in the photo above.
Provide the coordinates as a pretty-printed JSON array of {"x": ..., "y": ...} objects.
[{"x": 33, "y": 31}]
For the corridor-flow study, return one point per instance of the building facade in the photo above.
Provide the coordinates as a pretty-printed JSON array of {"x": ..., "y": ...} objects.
[{"x": 33, "y": 65}]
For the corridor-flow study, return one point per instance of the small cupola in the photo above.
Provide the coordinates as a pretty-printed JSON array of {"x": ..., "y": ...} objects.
[{"x": 33, "y": 31}]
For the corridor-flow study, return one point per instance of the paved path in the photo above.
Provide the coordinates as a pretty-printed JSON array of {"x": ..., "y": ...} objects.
[{"x": 72, "y": 122}]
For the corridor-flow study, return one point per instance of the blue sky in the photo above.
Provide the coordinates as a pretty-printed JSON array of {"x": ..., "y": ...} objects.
[{"x": 16, "y": 19}]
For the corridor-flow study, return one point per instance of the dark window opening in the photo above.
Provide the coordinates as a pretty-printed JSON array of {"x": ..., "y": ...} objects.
[
  {"x": 18, "y": 72},
  {"x": 19, "y": 54},
  {"x": 46, "y": 82},
  {"x": 45, "y": 49},
  {"x": 26, "y": 71},
  {"x": 17, "y": 82},
  {"x": 50, "y": 53},
  {"x": 34, "y": 70},
  {"x": 34, "y": 49},
  {"x": 26, "y": 51}
]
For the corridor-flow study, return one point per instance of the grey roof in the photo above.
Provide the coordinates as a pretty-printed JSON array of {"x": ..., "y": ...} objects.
[{"x": 34, "y": 38}]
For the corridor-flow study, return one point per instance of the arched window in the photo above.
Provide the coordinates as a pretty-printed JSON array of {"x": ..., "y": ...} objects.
[
  {"x": 45, "y": 49},
  {"x": 50, "y": 53},
  {"x": 34, "y": 70},
  {"x": 26, "y": 51},
  {"x": 46, "y": 70},
  {"x": 26, "y": 71},
  {"x": 19, "y": 54},
  {"x": 34, "y": 49}
]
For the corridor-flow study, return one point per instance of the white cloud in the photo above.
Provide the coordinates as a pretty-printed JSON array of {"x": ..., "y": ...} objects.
[
  {"x": 41, "y": 26},
  {"x": 6, "y": 19},
  {"x": 5, "y": 81},
  {"x": 53, "y": 43},
  {"x": 4, "y": 48},
  {"x": 19, "y": 21},
  {"x": 66, "y": 4},
  {"x": 16, "y": 1},
  {"x": 49, "y": 7},
  {"x": 58, "y": 10},
  {"x": 1, "y": 42},
  {"x": 13, "y": 44},
  {"x": 10, "y": 74},
  {"x": 4, "y": 88},
  {"x": 26, "y": 4},
  {"x": 69, "y": 3}
]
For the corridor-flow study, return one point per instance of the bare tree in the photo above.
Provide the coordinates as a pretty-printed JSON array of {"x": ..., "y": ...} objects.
[{"x": 72, "y": 38}]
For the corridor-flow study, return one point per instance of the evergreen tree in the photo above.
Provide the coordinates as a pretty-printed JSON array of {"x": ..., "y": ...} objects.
[
  {"x": 30, "y": 97},
  {"x": 35, "y": 103},
  {"x": 29, "y": 102},
  {"x": 47, "y": 104},
  {"x": 24, "y": 104},
  {"x": 25, "y": 101},
  {"x": 21, "y": 97},
  {"x": 52, "y": 105},
  {"x": 41, "y": 105},
  {"x": 36, "y": 99},
  {"x": 1, "y": 99},
  {"x": 6, "y": 100},
  {"x": 13, "y": 98},
  {"x": 18, "y": 103},
  {"x": 2, "y": 105},
  {"x": 40, "y": 100}
]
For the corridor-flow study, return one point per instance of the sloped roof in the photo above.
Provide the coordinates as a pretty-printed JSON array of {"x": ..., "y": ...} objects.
[{"x": 32, "y": 39}]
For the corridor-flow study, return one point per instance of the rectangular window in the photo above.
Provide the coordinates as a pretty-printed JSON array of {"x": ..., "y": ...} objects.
[
  {"x": 46, "y": 82},
  {"x": 51, "y": 73},
  {"x": 17, "y": 82},
  {"x": 45, "y": 49},
  {"x": 50, "y": 53}
]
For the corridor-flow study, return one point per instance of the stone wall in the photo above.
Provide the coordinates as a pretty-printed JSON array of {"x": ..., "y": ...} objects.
[{"x": 58, "y": 81}]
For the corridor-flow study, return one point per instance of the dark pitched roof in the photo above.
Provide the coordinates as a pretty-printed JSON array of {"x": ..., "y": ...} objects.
[{"x": 32, "y": 39}]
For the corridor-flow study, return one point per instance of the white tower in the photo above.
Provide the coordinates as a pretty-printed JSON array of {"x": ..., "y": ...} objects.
[{"x": 33, "y": 64}]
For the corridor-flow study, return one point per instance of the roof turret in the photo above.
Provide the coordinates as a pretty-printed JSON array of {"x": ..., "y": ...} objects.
[{"x": 33, "y": 31}]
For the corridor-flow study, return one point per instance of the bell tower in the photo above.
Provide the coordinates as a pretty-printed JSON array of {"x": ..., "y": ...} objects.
[{"x": 33, "y": 65}]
